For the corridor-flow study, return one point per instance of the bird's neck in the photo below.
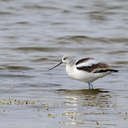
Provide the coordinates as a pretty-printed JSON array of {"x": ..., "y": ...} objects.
[{"x": 69, "y": 68}]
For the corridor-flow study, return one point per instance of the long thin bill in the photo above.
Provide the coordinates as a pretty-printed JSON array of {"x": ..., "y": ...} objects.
[{"x": 55, "y": 66}]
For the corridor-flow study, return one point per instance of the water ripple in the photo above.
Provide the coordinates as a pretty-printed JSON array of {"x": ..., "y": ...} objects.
[{"x": 18, "y": 68}]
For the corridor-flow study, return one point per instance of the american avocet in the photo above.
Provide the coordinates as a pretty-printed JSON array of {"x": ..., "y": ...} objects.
[{"x": 86, "y": 70}]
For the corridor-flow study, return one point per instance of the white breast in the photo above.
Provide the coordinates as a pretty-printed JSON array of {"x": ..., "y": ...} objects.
[
  {"x": 70, "y": 71},
  {"x": 83, "y": 76},
  {"x": 77, "y": 74}
]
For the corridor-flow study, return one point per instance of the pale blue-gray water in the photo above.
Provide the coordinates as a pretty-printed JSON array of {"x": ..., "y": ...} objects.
[{"x": 34, "y": 35}]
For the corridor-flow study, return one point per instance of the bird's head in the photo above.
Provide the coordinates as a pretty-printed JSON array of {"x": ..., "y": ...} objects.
[{"x": 65, "y": 60}]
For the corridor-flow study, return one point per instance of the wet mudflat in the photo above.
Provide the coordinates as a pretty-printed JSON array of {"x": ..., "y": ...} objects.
[{"x": 34, "y": 35}]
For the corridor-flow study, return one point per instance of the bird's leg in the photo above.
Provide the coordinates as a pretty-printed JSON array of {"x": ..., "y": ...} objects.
[{"x": 90, "y": 85}]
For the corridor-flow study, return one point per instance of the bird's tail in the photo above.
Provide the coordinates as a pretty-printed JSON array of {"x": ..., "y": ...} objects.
[
  {"x": 113, "y": 70},
  {"x": 106, "y": 70}
]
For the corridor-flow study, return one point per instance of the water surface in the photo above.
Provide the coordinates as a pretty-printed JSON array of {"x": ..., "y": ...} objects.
[{"x": 33, "y": 37}]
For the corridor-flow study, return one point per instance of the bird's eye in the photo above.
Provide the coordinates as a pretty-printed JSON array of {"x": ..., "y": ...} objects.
[{"x": 64, "y": 58}]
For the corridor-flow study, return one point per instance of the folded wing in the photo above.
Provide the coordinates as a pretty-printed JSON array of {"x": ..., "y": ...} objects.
[{"x": 91, "y": 65}]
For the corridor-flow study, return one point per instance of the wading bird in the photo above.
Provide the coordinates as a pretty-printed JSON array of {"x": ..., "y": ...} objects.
[{"x": 86, "y": 70}]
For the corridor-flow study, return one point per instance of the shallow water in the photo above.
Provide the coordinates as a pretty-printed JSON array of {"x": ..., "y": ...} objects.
[{"x": 33, "y": 37}]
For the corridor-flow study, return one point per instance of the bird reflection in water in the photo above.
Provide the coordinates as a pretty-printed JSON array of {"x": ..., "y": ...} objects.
[{"x": 82, "y": 105}]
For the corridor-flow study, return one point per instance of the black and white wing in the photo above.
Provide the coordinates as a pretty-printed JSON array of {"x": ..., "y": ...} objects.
[{"x": 92, "y": 65}]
